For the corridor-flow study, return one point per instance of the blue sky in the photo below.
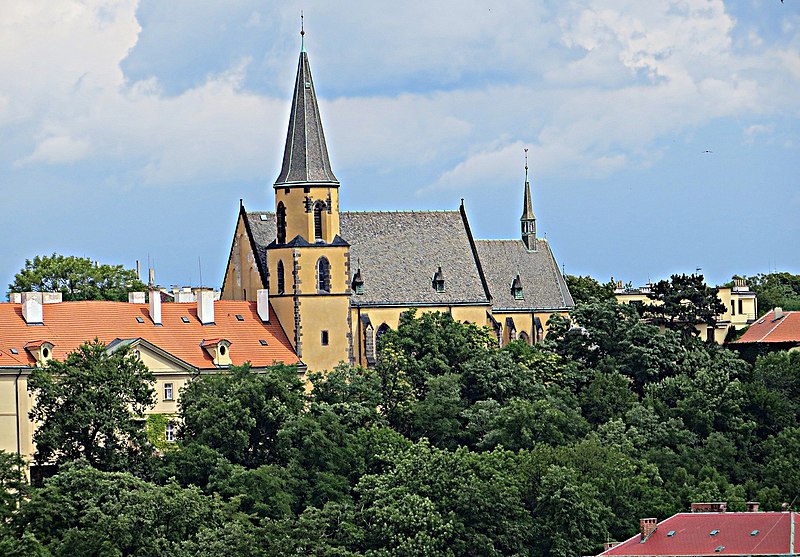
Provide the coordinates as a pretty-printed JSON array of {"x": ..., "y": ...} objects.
[{"x": 130, "y": 130}]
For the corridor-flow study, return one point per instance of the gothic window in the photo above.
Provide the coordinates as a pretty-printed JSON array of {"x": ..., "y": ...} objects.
[
  {"x": 516, "y": 288},
  {"x": 281, "y": 223},
  {"x": 281, "y": 279},
  {"x": 382, "y": 330},
  {"x": 319, "y": 206},
  {"x": 523, "y": 336},
  {"x": 323, "y": 275}
]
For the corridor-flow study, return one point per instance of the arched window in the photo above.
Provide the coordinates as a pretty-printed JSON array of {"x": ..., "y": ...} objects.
[
  {"x": 281, "y": 280},
  {"x": 523, "y": 336},
  {"x": 382, "y": 330},
  {"x": 281, "y": 214},
  {"x": 323, "y": 275},
  {"x": 319, "y": 206}
]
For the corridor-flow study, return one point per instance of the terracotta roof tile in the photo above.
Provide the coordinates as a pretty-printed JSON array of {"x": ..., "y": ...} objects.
[
  {"x": 769, "y": 329},
  {"x": 692, "y": 535},
  {"x": 69, "y": 324}
]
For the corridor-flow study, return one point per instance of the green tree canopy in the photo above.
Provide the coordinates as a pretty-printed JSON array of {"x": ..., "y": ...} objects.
[
  {"x": 587, "y": 289},
  {"x": 683, "y": 302},
  {"x": 77, "y": 278},
  {"x": 91, "y": 406}
]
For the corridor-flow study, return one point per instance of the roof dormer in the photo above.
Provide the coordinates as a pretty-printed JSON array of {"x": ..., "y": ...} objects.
[
  {"x": 438, "y": 280},
  {"x": 219, "y": 350},
  {"x": 41, "y": 350}
]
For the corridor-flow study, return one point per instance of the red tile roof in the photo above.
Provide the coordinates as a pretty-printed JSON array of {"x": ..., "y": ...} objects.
[
  {"x": 68, "y": 324},
  {"x": 692, "y": 535},
  {"x": 769, "y": 329}
]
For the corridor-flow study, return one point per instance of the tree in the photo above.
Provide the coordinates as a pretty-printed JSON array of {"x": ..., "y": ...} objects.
[
  {"x": 587, "y": 289},
  {"x": 682, "y": 303},
  {"x": 776, "y": 290},
  {"x": 91, "y": 406},
  {"x": 239, "y": 412},
  {"x": 77, "y": 278}
]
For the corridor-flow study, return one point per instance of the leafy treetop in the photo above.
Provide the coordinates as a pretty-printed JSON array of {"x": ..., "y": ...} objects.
[{"x": 77, "y": 278}]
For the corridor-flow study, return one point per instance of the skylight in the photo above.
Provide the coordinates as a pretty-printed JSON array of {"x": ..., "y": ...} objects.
[
  {"x": 185, "y": 319},
  {"x": 670, "y": 533},
  {"x": 239, "y": 317},
  {"x": 14, "y": 351},
  {"x": 263, "y": 216},
  {"x": 263, "y": 342},
  {"x": 719, "y": 548},
  {"x": 713, "y": 532},
  {"x": 754, "y": 533},
  {"x": 140, "y": 319}
]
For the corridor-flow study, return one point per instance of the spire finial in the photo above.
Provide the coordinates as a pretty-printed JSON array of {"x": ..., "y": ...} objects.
[
  {"x": 302, "y": 33},
  {"x": 526, "y": 164}
]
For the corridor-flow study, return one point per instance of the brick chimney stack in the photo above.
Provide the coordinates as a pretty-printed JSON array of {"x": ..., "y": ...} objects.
[{"x": 648, "y": 526}]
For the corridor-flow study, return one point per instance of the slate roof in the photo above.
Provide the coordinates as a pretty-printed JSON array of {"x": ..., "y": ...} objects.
[
  {"x": 735, "y": 536},
  {"x": 767, "y": 329},
  {"x": 398, "y": 254},
  {"x": 305, "y": 156},
  {"x": 543, "y": 287},
  {"x": 69, "y": 324}
]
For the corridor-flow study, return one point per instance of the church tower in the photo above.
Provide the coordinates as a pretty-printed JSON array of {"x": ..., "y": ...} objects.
[
  {"x": 308, "y": 261},
  {"x": 528, "y": 220}
]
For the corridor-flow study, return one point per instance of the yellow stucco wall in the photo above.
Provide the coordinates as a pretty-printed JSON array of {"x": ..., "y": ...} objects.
[{"x": 301, "y": 223}]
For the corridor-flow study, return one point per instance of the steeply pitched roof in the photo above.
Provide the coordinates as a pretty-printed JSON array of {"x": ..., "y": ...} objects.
[
  {"x": 305, "y": 156},
  {"x": 527, "y": 204},
  {"x": 69, "y": 324},
  {"x": 735, "y": 535},
  {"x": 768, "y": 329},
  {"x": 543, "y": 286},
  {"x": 398, "y": 254}
]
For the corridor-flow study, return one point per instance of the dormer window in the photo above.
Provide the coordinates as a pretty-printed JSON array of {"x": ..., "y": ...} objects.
[
  {"x": 358, "y": 283},
  {"x": 516, "y": 288},
  {"x": 41, "y": 350},
  {"x": 438, "y": 280},
  {"x": 219, "y": 350}
]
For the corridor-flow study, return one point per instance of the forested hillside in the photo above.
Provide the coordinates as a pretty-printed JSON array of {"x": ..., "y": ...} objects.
[{"x": 450, "y": 446}]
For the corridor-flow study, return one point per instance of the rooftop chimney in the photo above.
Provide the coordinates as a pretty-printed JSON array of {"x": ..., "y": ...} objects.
[
  {"x": 155, "y": 306},
  {"x": 648, "y": 526},
  {"x": 136, "y": 297},
  {"x": 183, "y": 295},
  {"x": 32, "y": 308},
  {"x": 709, "y": 507},
  {"x": 778, "y": 314},
  {"x": 262, "y": 305},
  {"x": 752, "y": 506},
  {"x": 205, "y": 306},
  {"x": 151, "y": 278},
  {"x": 52, "y": 297},
  {"x": 15, "y": 297}
]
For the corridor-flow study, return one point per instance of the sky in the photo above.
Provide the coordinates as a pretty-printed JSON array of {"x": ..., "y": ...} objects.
[{"x": 663, "y": 136}]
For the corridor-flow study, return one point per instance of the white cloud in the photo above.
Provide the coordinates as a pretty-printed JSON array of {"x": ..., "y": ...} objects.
[{"x": 57, "y": 150}]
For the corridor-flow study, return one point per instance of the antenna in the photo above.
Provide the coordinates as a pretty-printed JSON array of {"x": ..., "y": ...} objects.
[{"x": 200, "y": 267}]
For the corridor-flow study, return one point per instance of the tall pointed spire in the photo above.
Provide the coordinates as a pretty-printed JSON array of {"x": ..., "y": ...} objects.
[
  {"x": 528, "y": 219},
  {"x": 305, "y": 157}
]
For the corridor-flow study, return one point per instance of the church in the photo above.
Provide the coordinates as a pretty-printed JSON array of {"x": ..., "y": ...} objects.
[{"x": 337, "y": 280}]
